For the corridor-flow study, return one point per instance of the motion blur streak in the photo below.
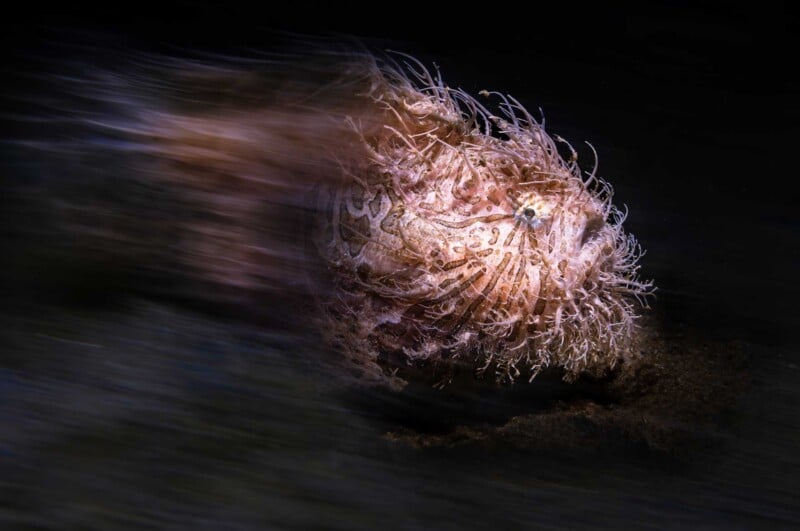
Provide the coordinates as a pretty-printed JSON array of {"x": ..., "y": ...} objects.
[
  {"x": 158, "y": 367},
  {"x": 417, "y": 186},
  {"x": 221, "y": 155}
]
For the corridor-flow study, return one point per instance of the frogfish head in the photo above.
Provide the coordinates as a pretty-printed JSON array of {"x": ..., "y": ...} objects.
[{"x": 459, "y": 235}]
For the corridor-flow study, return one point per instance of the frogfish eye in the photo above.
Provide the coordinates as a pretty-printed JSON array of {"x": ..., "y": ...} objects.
[{"x": 529, "y": 212}]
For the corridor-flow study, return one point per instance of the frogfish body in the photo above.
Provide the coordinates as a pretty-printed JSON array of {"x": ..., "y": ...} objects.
[{"x": 460, "y": 236}]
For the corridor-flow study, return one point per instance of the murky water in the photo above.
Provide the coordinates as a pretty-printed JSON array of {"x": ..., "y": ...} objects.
[
  {"x": 125, "y": 405},
  {"x": 152, "y": 416}
]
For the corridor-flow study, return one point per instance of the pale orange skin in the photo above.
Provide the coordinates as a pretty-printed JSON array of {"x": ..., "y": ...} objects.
[
  {"x": 449, "y": 233},
  {"x": 447, "y": 242}
]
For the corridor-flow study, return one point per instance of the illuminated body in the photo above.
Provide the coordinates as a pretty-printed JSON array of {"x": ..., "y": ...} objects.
[
  {"x": 451, "y": 241},
  {"x": 449, "y": 234}
]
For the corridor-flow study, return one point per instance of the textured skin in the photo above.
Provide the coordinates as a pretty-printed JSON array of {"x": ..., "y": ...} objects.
[
  {"x": 449, "y": 234},
  {"x": 461, "y": 235}
]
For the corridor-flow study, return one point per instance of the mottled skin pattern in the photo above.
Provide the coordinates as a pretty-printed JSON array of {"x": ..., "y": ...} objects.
[
  {"x": 462, "y": 235},
  {"x": 449, "y": 234}
]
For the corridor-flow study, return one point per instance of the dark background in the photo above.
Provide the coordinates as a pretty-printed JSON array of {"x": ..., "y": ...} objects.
[
  {"x": 691, "y": 105},
  {"x": 693, "y": 109}
]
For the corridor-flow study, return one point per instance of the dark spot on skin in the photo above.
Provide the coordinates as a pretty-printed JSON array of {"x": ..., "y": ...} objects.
[
  {"x": 591, "y": 230},
  {"x": 391, "y": 222},
  {"x": 495, "y": 235},
  {"x": 357, "y": 195},
  {"x": 375, "y": 204},
  {"x": 354, "y": 230}
]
